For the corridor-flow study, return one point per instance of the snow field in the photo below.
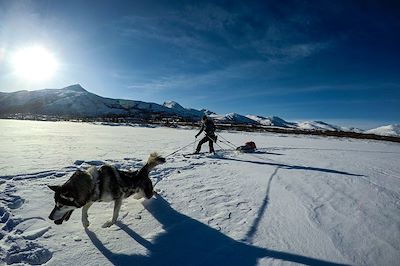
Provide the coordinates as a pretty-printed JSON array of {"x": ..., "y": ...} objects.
[{"x": 299, "y": 199}]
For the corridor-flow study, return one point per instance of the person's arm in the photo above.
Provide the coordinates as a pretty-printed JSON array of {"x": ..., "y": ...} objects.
[{"x": 201, "y": 130}]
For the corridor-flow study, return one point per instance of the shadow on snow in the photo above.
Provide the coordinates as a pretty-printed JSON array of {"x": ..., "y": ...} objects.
[
  {"x": 253, "y": 228},
  {"x": 288, "y": 166},
  {"x": 187, "y": 241}
]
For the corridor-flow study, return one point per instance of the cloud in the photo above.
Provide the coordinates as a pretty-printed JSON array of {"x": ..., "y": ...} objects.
[
  {"x": 168, "y": 31},
  {"x": 209, "y": 45},
  {"x": 210, "y": 33},
  {"x": 214, "y": 78},
  {"x": 287, "y": 53},
  {"x": 243, "y": 80}
]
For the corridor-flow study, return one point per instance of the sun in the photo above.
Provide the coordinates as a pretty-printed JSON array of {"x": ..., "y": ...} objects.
[{"x": 34, "y": 63}]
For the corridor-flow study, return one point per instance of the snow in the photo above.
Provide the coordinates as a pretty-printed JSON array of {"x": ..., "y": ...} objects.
[
  {"x": 271, "y": 121},
  {"x": 305, "y": 125},
  {"x": 298, "y": 199},
  {"x": 185, "y": 112},
  {"x": 233, "y": 118},
  {"x": 72, "y": 100},
  {"x": 389, "y": 130},
  {"x": 75, "y": 87},
  {"x": 75, "y": 101},
  {"x": 317, "y": 125}
]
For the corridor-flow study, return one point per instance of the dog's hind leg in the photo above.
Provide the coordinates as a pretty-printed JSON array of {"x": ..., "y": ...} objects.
[
  {"x": 85, "y": 221},
  {"x": 117, "y": 207}
]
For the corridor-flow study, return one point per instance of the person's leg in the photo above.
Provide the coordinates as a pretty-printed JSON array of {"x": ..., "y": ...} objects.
[
  {"x": 202, "y": 141},
  {"x": 211, "y": 144}
]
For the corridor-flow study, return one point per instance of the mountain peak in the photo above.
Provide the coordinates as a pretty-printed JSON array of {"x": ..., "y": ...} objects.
[
  {"x": 233, "y": 117},
  {"x": 75, "y": 87},
  {"x": 270, "y": 121},
  {"x": 389, "y": 130},
  {"x": 207, "y": 112},
  {"x": 173, "y": 105},
  {"x": 186, "y": 112}
]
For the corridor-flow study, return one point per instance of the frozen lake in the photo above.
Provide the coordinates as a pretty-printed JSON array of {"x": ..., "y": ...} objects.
[{"x": 299, "y": 199}]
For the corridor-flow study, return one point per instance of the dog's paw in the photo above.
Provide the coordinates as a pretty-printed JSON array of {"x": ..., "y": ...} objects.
[{"x": 107, "y": 224}]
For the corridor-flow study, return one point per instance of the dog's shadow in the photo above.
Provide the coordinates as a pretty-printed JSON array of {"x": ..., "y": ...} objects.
[{"x": 187, "y": 241}]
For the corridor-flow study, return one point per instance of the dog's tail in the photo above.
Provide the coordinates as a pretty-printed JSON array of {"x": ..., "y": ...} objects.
[{"x": 154, "y": 160}]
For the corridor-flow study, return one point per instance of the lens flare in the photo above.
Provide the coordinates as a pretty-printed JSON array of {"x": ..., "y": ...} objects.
[{"x": 34, "y": 63}]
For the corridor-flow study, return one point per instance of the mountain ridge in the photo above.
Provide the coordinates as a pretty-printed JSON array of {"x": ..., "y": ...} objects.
[{"x": 74, "y": 100}]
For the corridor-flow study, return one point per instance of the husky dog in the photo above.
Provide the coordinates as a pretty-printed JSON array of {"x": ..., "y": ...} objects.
[{"x": 104, "y": 184}]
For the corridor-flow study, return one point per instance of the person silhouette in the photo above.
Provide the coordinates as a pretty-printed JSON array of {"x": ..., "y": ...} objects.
[{"x": 208, "y": 126}]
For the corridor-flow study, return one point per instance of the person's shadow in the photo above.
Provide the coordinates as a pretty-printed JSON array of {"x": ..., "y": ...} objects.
[{"x": 187, "y": 241}]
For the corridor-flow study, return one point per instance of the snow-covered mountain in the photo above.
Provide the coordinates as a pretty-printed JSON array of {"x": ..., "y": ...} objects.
[
  {"x": 185, "y": 112},
  {"x": 208, "y": 112},
  {"x": 389, "y": 130},
  {"x": 306, "y": 125},
  {"x": 317, "y": 125},
  {"x": 271, "y": 121},
  {"x": 74, "y": 101},
  {"x": 233, "y": 118}
]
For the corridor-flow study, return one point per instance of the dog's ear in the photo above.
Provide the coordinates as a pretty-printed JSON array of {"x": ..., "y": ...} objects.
[{"x": 54, "y": 188}]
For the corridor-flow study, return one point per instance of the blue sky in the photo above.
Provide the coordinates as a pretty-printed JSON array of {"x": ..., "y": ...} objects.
[{"x": 336, "y": 61}]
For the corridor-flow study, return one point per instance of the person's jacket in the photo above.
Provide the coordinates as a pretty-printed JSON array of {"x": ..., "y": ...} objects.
[{"x": 208, "y": 126}]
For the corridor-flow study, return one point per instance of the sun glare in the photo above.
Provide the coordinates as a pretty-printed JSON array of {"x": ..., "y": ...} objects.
[{"x": 34, "y": 63}]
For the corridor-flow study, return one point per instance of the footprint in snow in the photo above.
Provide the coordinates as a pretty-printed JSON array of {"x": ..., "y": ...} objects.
[
  {"x": 28, "y": 252},
  {"x": 20, "y": 233},
  {"x": 9, "y": 199}
]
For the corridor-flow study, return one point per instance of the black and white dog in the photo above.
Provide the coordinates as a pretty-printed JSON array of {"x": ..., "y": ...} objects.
[{"x": 104, "y": 184}]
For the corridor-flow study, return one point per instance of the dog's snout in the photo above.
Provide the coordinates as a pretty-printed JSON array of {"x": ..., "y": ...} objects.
[{"x": 51, "y": 216}]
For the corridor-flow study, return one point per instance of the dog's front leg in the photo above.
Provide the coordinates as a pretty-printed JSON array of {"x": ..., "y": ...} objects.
[
  {"x": 117, "y": 207},
  {"x": 85, "y": 221}
]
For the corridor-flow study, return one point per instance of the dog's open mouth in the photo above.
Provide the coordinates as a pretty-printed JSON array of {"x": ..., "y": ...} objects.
[{"x": 64, "y": 218}]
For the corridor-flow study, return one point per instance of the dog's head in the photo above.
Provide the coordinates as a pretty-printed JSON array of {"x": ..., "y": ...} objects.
[
  {"x": 64, "y": 204},
  {"x": 154, "y": 160}
]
